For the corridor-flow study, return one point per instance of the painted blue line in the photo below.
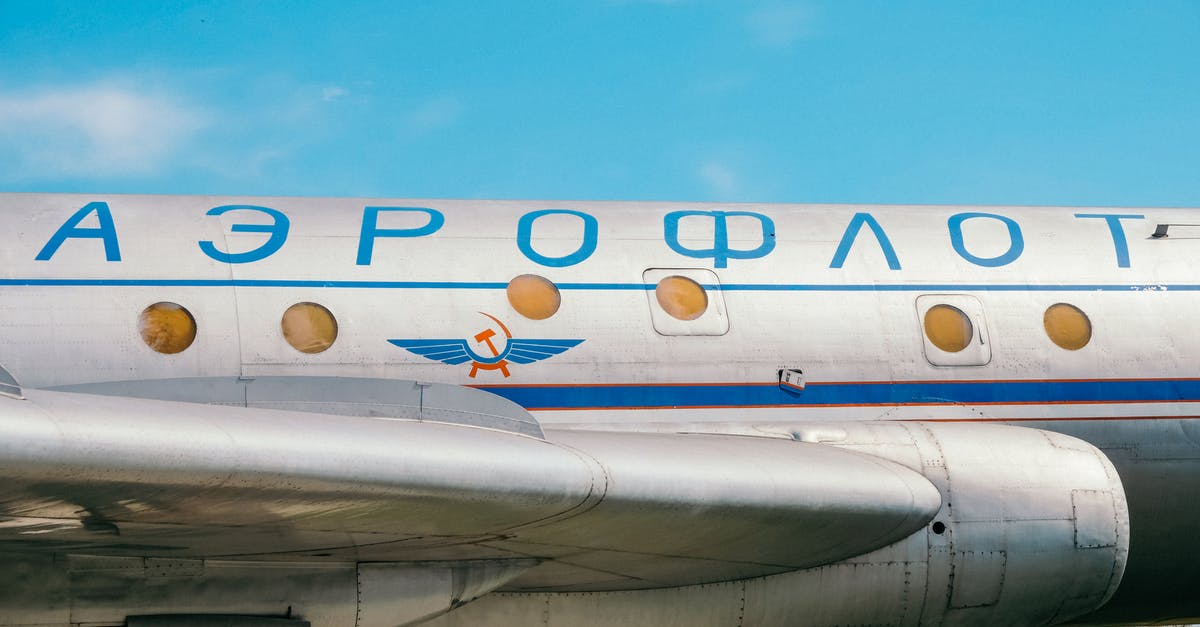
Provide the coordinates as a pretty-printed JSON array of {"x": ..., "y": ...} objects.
[
  {"x": 499, "y": 285},
  {"x": 961, "y": 287},
  {"x": 638, "y": 287},
  {"x": 475, "y": 285},
  {"x": 741, "y": 395}
]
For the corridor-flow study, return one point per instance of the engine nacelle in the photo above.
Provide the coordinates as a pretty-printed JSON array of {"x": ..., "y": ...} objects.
[
  {"x": 1034, "y": 527},
  {"x": 1033, "y": 530}
]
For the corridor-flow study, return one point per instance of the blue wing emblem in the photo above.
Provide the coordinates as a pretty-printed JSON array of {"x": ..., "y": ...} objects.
[
  {"x": 529, "y": 351},
  {"x": 517, "y": 351},
  {"x": 451, "y": 352}
]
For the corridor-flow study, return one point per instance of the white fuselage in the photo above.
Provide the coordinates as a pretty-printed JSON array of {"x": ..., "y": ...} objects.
[
  {"x": 833, "y": 294},
  {"x": 786, "y": 308}
]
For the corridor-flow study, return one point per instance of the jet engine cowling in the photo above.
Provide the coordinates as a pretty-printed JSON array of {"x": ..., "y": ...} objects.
[
  {"x": 1033, "y": 530},
  {"x": 1034, "y": 526}
]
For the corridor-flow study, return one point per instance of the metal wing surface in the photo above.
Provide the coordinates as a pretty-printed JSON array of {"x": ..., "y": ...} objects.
[{"x": 103, "y": 475}]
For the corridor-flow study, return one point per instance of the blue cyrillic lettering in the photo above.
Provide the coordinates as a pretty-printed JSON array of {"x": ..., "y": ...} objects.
[
  {"x": 1118, "y": 232},
  {"x": 366, "y": 239},
  {"x": 278, "y": 231},
  {"x": 591, "y": 232},
  {"x": 106, "y": 231},
  {"x": 720, "y": 253},
  {"x": 851, "y": 234},
  {"x": 1016, "y": 242}
]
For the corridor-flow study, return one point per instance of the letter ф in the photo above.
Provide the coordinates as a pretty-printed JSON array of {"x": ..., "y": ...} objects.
[{"x": 720, "y": 252}]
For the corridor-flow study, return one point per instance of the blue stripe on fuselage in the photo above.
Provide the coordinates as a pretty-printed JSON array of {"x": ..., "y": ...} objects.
[{"x": 832, "y": 394}]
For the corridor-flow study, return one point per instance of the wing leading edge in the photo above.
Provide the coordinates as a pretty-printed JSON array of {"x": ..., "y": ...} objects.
[{"x": 122, "y": 476}]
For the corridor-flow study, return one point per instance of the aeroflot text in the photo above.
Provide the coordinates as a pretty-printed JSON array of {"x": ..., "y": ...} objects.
[{"x": 720, "y": 253}]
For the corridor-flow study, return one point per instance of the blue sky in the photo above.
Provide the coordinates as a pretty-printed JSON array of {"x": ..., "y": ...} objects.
[{"x": 1078, "y": 103}]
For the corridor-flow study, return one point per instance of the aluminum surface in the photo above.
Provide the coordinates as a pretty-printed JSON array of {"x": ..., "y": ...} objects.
[
  {"x": 339, "y": 396},
  {"x": 832, "y": 294},
  {"x": 116, "y": 476},
  {"x": 1020, "y": 507}
]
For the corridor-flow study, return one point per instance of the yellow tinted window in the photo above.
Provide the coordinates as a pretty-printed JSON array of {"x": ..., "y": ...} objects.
[
  {"x": 309, "y": 327},
  {"x": 681, "y": 297},
  {"x": 167, "y": 327},
  {"x": 948, "y": 328},
  {"x": 534, "y": 297},
  {"x": 1067, "y": 326}
]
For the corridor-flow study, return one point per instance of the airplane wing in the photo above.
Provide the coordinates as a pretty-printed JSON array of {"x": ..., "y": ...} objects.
[{"x": 118, "y": 476}]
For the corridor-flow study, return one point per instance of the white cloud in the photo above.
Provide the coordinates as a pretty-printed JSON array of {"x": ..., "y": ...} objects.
[
  {"x": 435, "y": 114},
  {"x": 720, "y": 178},
  {"x": 779, "y": 26},
  {"x": 92, "y": 130},
  {"x": 333, "y": 92}
]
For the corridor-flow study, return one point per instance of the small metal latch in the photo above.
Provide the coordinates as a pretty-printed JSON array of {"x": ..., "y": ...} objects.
[
  {"x": 791, "y": 379},
  {"x": 421, "y": 387},
  {"x": 1160, "y": 231}
]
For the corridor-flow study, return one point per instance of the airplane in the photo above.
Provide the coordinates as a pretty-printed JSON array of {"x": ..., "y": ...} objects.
[{"x": 290, "y": 412}]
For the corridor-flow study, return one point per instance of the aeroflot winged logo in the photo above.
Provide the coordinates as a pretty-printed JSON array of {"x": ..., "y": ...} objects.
[{"x": 515, "y": 351}]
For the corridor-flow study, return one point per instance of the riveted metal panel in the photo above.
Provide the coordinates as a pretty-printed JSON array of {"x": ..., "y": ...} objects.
[
  {"x": 978, "y": 578},
  {"x": 1094, "y": 528}
]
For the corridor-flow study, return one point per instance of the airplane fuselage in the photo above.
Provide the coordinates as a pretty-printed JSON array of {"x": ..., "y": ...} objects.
[{"x": 809, "y": 313}]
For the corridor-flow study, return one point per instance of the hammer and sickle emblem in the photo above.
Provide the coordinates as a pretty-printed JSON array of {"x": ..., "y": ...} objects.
[{"x": 497, "y": 362}]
